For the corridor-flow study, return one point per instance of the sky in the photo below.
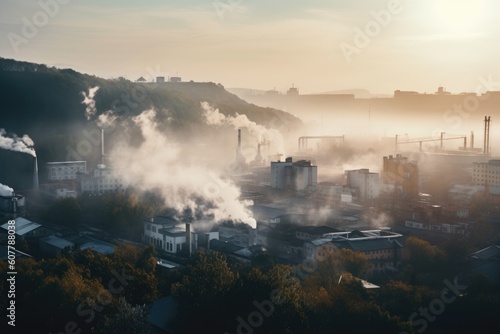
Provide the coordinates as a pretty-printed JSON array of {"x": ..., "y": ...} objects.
[{"x": 317, "y": 45}]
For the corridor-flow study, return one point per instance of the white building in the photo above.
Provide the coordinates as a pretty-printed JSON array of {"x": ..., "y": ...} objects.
[
  {"x": 300, "y": 175},
  {"x": 65, "y": 170},
  {"x": 101, "y": 180},
  {"x": 367, "y": 184},
  {"x": 486, "y": 173},
  {"x": 168, "y": 234}
]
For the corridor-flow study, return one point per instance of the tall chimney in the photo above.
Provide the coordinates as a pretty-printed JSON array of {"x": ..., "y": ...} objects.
[
  {"x": 188, "y": 239},
  {"x": 102, "y": 146},
  {"x": 35, "y": 175},
  {"x": 488, "y": 138},
  {"x": 472, "y": 139},
  {"x": 486, "y": 143},
  {"x": 14, "y": 207},
  {"x": 239, "y": 156}
]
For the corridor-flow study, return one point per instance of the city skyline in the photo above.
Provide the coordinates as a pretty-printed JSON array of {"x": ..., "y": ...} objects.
[{"x": 318, "y": 46}]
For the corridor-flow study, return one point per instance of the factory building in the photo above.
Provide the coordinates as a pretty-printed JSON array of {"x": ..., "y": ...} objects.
[
  {"x": 12, "y": 206},
  {"x": 366, "y": 183},
  {"x": 486, "y": 173},
  {"x": 101, "y": 180},
  {"x": 170, "y": 235},
  {"x": 62, "y": 178},
  {"x": 300, "y": 175},
  {"x": 65, "y": 170},
  {"x": 382, "y": 248},
  {"x": 401, "y": 175}
]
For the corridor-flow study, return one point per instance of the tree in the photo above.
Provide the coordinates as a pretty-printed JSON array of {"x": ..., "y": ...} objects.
[
  {"x": 125, "y": 319},
  {"x": 353, "y": 262},
  {"x": 65, "y": 211},
  {"x": 208, "y": 278}
]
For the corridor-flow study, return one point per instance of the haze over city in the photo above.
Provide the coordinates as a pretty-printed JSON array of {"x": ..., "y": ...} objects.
[{"x": 249, "y": 166}]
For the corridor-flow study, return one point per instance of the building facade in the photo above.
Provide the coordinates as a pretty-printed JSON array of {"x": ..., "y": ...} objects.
[
  {"x": 300, "y": 175},
  {"x": 65, "y": 170},
  {"x": 402, "y": 174},
  {"x": 367, "y": 183},
  {"x": 486, "y": 173},
  {"x": 101, "y": 180}
]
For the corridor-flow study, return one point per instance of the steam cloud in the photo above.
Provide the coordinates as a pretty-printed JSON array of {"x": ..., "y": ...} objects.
[
  {"x": 24, "y": 144},
  {"x": 106, "y": 119},
  {"x": 5, "y": 190},
  {"x": 214, "y": 117},
  {"x": 157, "y": 164},
  {"x": 88, "y": 100}
]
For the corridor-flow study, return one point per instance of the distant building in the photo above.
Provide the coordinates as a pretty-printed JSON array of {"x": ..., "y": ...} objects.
[
  {"x": 335, "y": 192},
  {"x": 367, "y": 184},
  {"x": 486, "y": 173},
  {"x": 160, "y": 79},
  {"x": 293, "y": 91},
  {"x": 101, "y": 180},
  {"x": 300, "y": 175},
  {"x": 401, "y": 174},
  {"x": 382, "y": 248},
  {"x": 141, "y": 79},
  {"x": 65, "y": 170},
  {"x": 175, "y": 79},
  {"x": 403, "y": 94}
]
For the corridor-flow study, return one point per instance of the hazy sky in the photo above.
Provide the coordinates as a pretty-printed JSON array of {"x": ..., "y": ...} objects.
[{"x": 259, "y": 44}]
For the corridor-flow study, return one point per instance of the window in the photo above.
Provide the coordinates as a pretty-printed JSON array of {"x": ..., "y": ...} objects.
[{"x": 153, "y": 228}]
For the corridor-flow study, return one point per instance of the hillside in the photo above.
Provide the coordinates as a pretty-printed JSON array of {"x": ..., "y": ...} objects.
[{"x": 46, "y": 104}]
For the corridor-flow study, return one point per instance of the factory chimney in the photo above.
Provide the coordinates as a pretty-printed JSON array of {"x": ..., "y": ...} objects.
[
  {"x": 472, "y": 139},
  {"x": 102, "y": 147},
  {"x": 188, "y": 239},
  {"x": 35, "y": 175},
  {"x": 239, "y": 156},
  {"x": 258, "y": 157},
  {"x": 486, "y": 144}
]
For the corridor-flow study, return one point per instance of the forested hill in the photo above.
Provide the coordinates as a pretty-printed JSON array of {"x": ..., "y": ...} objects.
[{"x": 46, "y": 104}]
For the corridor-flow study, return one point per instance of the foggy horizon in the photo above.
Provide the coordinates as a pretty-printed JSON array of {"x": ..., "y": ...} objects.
[{"x": 404, "y": 45}]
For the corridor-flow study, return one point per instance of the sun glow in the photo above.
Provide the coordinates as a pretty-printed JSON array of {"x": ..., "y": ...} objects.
[{"x": 459, "y": 15}]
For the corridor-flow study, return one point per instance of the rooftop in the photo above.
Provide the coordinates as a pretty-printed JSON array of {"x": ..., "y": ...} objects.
[{"x": 22, "y": 226}]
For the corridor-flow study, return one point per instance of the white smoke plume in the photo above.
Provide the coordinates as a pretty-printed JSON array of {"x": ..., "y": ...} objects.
[
  {"x": 157, "y": 164},
  {"x": 106, "y": 119},
  {"x": 5, "y": 190},
  {"x": 88, "y": 100},
  {"x": 261, "y": 133},
  {"x": 24, "y": 144}
]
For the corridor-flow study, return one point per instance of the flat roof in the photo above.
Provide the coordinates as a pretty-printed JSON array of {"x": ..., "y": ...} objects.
[
  {"x": 57, "y": 241},
  {"x": 23, "y": 226},
  {"x": 65, "y": 162}
]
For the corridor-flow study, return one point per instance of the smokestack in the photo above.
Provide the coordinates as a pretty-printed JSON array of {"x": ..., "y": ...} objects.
[
  {"x": 488, "y": 138},
  {"x": 35, "y": 175},
  {"x": 208, "y": 241},
  {"x": 14, "y": 206},
  {"x": 188, "y": 239},
  {"x": 486, "y": 143},
  {"x": 472, "y": 139},
  {"x": 239, "y": 156},
  {"x": 102, "y": 146}
]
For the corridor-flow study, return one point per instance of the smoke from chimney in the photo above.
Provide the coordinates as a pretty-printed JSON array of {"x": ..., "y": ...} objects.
[
  {"x": 260, "y": 132},
  {"x": 88, "y": 100},
  {"x": 157, "y": 164},
  {"x": 6, "y": 190},
  {"x": 24, "y": 144}
]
